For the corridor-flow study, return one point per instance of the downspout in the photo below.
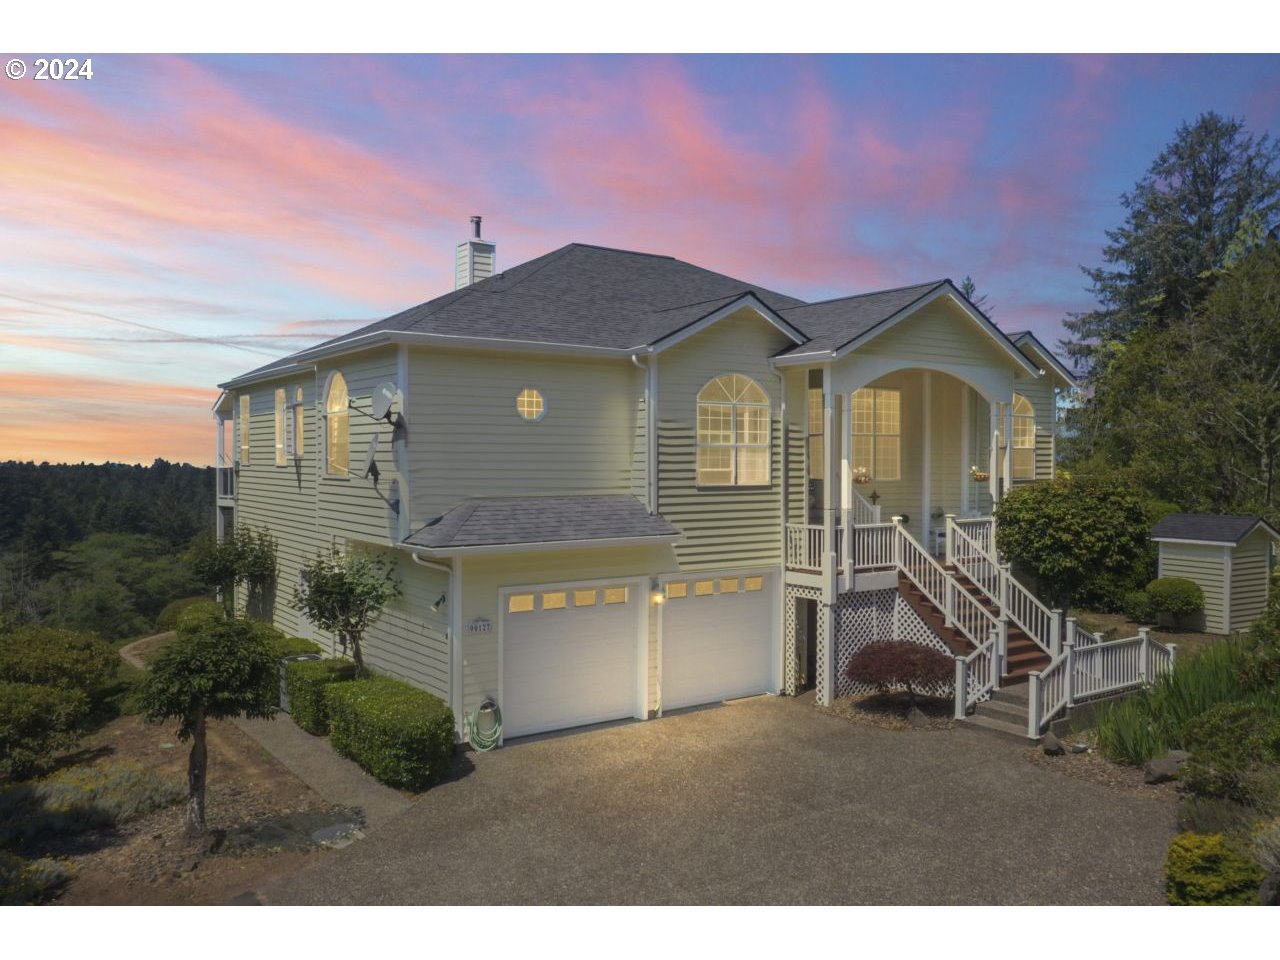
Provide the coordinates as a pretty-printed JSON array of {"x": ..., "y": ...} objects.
[
  {"x": 453, "y": 633},
  {"x": 650, "y": 367},
  {"x": 783, "y": 499}
]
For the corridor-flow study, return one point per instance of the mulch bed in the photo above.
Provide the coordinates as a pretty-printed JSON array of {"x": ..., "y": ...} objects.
[
  {"x": 889, "y": 711},
  {"x": 1096, "y": 768}
]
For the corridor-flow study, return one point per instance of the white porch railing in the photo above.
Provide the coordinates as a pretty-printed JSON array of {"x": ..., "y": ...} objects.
[
  {"x": 865, "y": 513},
  {"x": 873, "y": 546},
  {"x": 1091, "y": 669},
  {"x": 977, "y": 675},
  {"x": 959, "y": 607},
  {"x": 804, "y": 546},
  {"x": 981, "y": 530}
]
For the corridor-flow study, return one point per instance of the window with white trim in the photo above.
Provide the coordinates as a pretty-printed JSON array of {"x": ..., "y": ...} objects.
[
  {"x": 294, "y": 442},
  {"x": 244, "y": 429},
  {"x": 281, "y": 454},
  {"x": 733, "y": 433},
  {"x": 531, "y": 405},
  {"x": 876, "y": 419},
  {"x": 337, "y": 427},
  {"x": 1023, "y": 416}
]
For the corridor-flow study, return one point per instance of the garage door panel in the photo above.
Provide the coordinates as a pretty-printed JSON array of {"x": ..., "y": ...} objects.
[
  {"x": 717, "y": 646},
  {"x": 569, "y": 667}
]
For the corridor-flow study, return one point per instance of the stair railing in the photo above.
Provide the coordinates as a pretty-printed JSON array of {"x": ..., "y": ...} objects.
[
  {"x": 960, "y": 608},
  {"x": 977, "y": 675},
  {"x": 864, "y": 511}
]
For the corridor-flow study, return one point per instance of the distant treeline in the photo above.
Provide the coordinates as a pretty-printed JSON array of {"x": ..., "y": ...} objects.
[{"x": 99, "y": 546}]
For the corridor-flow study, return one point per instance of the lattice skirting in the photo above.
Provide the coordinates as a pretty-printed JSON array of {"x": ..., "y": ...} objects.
[{"x": 791, "y": 652}]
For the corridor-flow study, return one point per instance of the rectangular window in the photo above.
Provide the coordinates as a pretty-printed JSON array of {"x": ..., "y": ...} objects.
[
  {"x": 677, "y": 590},
  {"x": 554, "y": 601},
  {"x": 244, "y": 430},
  {"x": 520, "y": 603},
  {"x": 584, "y": 598},
  {"x": 615, "y": 595},
  {"x": 754, "y": 584},
  {"x": 729, "y": 585},
  {"x": 876, "y": 419},
  {"x": 704, "y": 588},
  {"x": 815, "y": 428},
  {"x": 279, "y": 427},
  {"x": 295, "y": 444}
]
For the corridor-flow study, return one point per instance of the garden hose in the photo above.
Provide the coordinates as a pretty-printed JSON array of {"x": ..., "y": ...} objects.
[{"x": 484, "y": 741}]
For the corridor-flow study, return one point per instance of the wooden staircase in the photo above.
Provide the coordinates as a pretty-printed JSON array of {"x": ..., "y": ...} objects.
[{"x": 1024, "y": 656}]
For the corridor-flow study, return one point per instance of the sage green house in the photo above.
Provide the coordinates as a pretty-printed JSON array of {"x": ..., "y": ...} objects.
[
  {"x": 615, "y": 483},
  {"x": 1231, "y": 559}
]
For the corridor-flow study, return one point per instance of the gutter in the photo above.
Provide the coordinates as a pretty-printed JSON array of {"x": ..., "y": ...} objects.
[{"x": 650, "y": 368}]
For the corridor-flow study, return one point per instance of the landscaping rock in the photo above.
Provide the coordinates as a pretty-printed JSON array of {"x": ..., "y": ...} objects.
[
  {"x": 1079, "y": 748},
  {"x": 917, "y": 719},
  {"x": 1052, "y": 746},
  {"x": 1160, "y": 771},
  {"x": 1178, "y": 756}
]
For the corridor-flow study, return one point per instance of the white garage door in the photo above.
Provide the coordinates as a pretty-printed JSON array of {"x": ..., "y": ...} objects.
[
  {"x": 570, "y": 656},
  {"x": 717, "y": 639}
]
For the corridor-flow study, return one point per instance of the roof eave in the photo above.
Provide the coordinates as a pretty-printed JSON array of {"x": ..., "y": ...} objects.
[
  {"x": 1066, "y": 376},
  {"x": 543, "y": 545},
  {"x": 667, "y": 341}
]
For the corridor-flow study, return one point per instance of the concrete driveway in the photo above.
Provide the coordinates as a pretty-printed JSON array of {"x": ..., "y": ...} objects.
[{"x": 758, "y": 801}]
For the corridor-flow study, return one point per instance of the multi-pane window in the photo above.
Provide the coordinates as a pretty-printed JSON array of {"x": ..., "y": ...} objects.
[
  {"x": 1024, "y": 438},
  {"x": 733, "y": 433},
  {"x": 337, "y": 438},
  {"x": 877, "y": 428},
  {"x": 530, "y": 405},
  {"x": 815, "y": 421},
  {"x": 244, "y": 430},
  {"x": 299, "y": 423},
  {"x": 281, "y": 453}
]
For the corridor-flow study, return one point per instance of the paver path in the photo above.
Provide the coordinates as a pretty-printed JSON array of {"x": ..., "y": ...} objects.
[{"x": 759, "y": 801}]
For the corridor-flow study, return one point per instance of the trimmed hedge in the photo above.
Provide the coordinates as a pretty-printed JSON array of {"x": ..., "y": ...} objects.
[
  {"x": 1235, "y": 748},
  {"x": 193, "y": 618},
  {"x": 1137, "y": 607},
  {"x": 1175, "y": 596},
  {"x": 287, "y": 646},
  {"x": 167, "y": 619},
  {"x": 401, "y": 735},
  {"x": 305, "y": 681},
  {"x": 1209, "y": 869},
  {"x": 69, "y": 659},
  {"x": 36, "y": 723}
]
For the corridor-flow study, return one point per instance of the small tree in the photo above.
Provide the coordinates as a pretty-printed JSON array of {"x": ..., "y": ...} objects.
[
  {"x": 214, "y": 670},
  {"x": 345, "y": 593},
  {"x": 217, "y": 563},
  {"x": 1063, "y": 531},
  {"x": 892, "y": 664},
  {"x": 257, "y": 569}
]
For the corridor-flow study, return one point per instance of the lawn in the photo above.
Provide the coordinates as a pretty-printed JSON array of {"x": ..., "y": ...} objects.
[{"x": 1115, "y": 625}]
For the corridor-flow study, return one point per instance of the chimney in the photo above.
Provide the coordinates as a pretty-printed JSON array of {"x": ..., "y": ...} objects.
[{"x": 475, "y": 259}]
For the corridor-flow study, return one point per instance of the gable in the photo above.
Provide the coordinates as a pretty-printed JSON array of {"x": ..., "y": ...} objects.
[{"x": 942, "y": 332}]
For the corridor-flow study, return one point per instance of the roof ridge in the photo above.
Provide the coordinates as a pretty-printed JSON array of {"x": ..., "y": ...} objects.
[
  {"x": 697, "y": 303},
  {"x": 869, "y": 293},
  {"x": 634, "y": 253}
]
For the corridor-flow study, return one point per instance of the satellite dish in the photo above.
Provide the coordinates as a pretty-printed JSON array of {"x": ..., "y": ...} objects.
[
  {"x": 370, "y": 467},
  {"x": 383, "y": 397}
]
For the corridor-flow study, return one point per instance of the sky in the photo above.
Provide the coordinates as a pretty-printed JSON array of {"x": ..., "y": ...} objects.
[{"x": 175, "y": 221}]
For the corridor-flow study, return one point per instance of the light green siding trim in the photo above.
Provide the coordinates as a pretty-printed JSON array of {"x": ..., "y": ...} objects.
[
  {"x": 797, "y": 430},
  {"x": 1250, "y": 575},
  {"x": 1039, "y": 394},
  {"x": 466, "y": 439},
  {"x": 940, "y": 332},
  {"x": 483, "y": 576},
  {"x": 726, "y": 527},
  {"x": 1204, "y": 565}
]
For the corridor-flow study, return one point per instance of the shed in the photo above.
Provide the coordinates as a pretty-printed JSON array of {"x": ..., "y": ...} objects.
[{"x": 1230, "y": 557}]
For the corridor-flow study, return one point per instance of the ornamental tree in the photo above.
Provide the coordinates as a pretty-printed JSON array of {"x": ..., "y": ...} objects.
[
  {"x": 213, "y": 670},
  {"x": 345, "y": 593},
  {"x": 1066, "y": 530},
  {"x": 897, "y": 664}
]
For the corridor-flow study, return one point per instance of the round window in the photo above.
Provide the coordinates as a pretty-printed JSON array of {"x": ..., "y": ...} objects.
[{"x": 530, "y": 405}]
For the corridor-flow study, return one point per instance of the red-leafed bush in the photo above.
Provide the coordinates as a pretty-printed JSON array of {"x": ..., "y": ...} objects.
[{"x": 892, "y": 664}]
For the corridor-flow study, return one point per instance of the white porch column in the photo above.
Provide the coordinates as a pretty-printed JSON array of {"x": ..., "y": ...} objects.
[
  {"x": 993, "y": 458},
  {"x": 843, "y": 405},
  {"x": 831, "y": 410},
  {"x": 1008, "y": 446},
  {"x": 965, "y": 452},
  {"x": 926, "y": 455}
]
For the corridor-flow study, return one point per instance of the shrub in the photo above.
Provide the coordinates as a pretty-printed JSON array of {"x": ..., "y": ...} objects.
[
  {"x": 894, "y": 664},
  {"x": 1128, "y": 734},
  {"x": 1175, "y": 596},
  {"x": 195, "y": 617},
  {"x": 287, "y": 646},
  {"x": 80, "y": 799},
  {"x": 167, "y": 619},
  {"x": 36, "y": 723},
  {"x": 1266, "y": 848},
  {"x": 51, "y": 657},
  {"x": 305, "y": 681},
  {"x": 1216, "y": 815},
  {"x": 1231, "y": 745},
  {"x": 29, "y": 881},
  {"x": 1137, "y": 607},
  {"x": 1207, "y": 869},
  {"x": 401, "y": 735}
]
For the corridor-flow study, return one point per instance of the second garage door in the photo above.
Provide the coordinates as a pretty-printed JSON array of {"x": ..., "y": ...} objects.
[
  {"x": 570, "y": 656},
  {"x": 717, "y": 639}
]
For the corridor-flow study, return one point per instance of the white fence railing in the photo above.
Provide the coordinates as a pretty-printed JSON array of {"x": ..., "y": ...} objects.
[
  {"x": 961, "y": 609},
  {"x": 982, "y": 531},
  {"x": 873, "y": 546},
  {"x": 865, "y": 513},
  {"x": 804, "y": 546},
  {"x": 1093, "y": 669},
  {"x": 977, "y": 675}
]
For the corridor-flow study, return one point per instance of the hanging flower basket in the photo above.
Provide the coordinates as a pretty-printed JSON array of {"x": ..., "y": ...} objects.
[
  {"x": 982, "y": 476},
  {"x": 861, "y": 475}
]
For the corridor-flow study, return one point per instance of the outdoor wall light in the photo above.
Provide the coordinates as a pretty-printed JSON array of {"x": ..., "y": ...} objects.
[
  {"x": 655, "y": 591},
  {"x": 435, "y": 607}
]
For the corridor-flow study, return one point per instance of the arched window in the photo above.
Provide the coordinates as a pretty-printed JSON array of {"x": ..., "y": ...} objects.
[
  {"x": 337, "y": 439},
  {"x": 733, "y": 433},
  {"x": 1024, "y": 437}
]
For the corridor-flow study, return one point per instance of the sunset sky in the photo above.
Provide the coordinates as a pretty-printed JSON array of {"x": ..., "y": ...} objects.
[{"x": 176, "y": 221}]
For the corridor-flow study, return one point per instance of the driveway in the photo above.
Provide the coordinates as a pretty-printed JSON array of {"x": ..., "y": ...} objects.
[{"x": 757, "y": 801}]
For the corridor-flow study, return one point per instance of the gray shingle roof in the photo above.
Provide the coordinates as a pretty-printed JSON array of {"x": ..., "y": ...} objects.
[
  {"x": 1210, "y": 527},
  {"x": 498, "y": 521},
  {"x": 831, "y": 324}
]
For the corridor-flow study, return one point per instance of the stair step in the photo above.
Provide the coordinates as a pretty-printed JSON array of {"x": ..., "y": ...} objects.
[
  {"x": 1008, "y": 711},
  {"x": 999, "y": 728},
  {"x": 1013, "y": 692}
]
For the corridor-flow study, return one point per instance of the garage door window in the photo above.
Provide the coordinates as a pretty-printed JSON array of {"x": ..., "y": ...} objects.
[
  {"x": 553, "y": 601},
  {"x": 615, "y": 595},
  {"x": 704, "y": 588},
  {"x": 677, "y": 590},
  {"x": 729, "y": 585},
  {"x": 520, "y": 603},
  {"x": 584, "y": 598},
  {"x": 754, "y": 583}
]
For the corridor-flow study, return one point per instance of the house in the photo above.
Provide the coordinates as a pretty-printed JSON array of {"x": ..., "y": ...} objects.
[
  {"x": 1229, "y": 557},
  {"x": 616, "y": 483}
]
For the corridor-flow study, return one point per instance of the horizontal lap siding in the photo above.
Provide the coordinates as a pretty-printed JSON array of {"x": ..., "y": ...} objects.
[
  {"x": 1203, "y": 565},
  {"x": 797, "y": 436},
  {"x": 410, "y": 640},
  {"x": 902, "y": 497},
  {"x": 945, "y": 442},
  {"x": 722, "y": 528},
  {"x": 940, "y": 333},
  {"x": 470, "y": 442},
  {"x": 1250, "y": 569},
  {"x": 1039, "y": 394}
]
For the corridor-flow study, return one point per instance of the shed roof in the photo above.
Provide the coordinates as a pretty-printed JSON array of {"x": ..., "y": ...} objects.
[
  {"x": 1227, "y": 529},
  {"x": 514, "y": 521}
]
